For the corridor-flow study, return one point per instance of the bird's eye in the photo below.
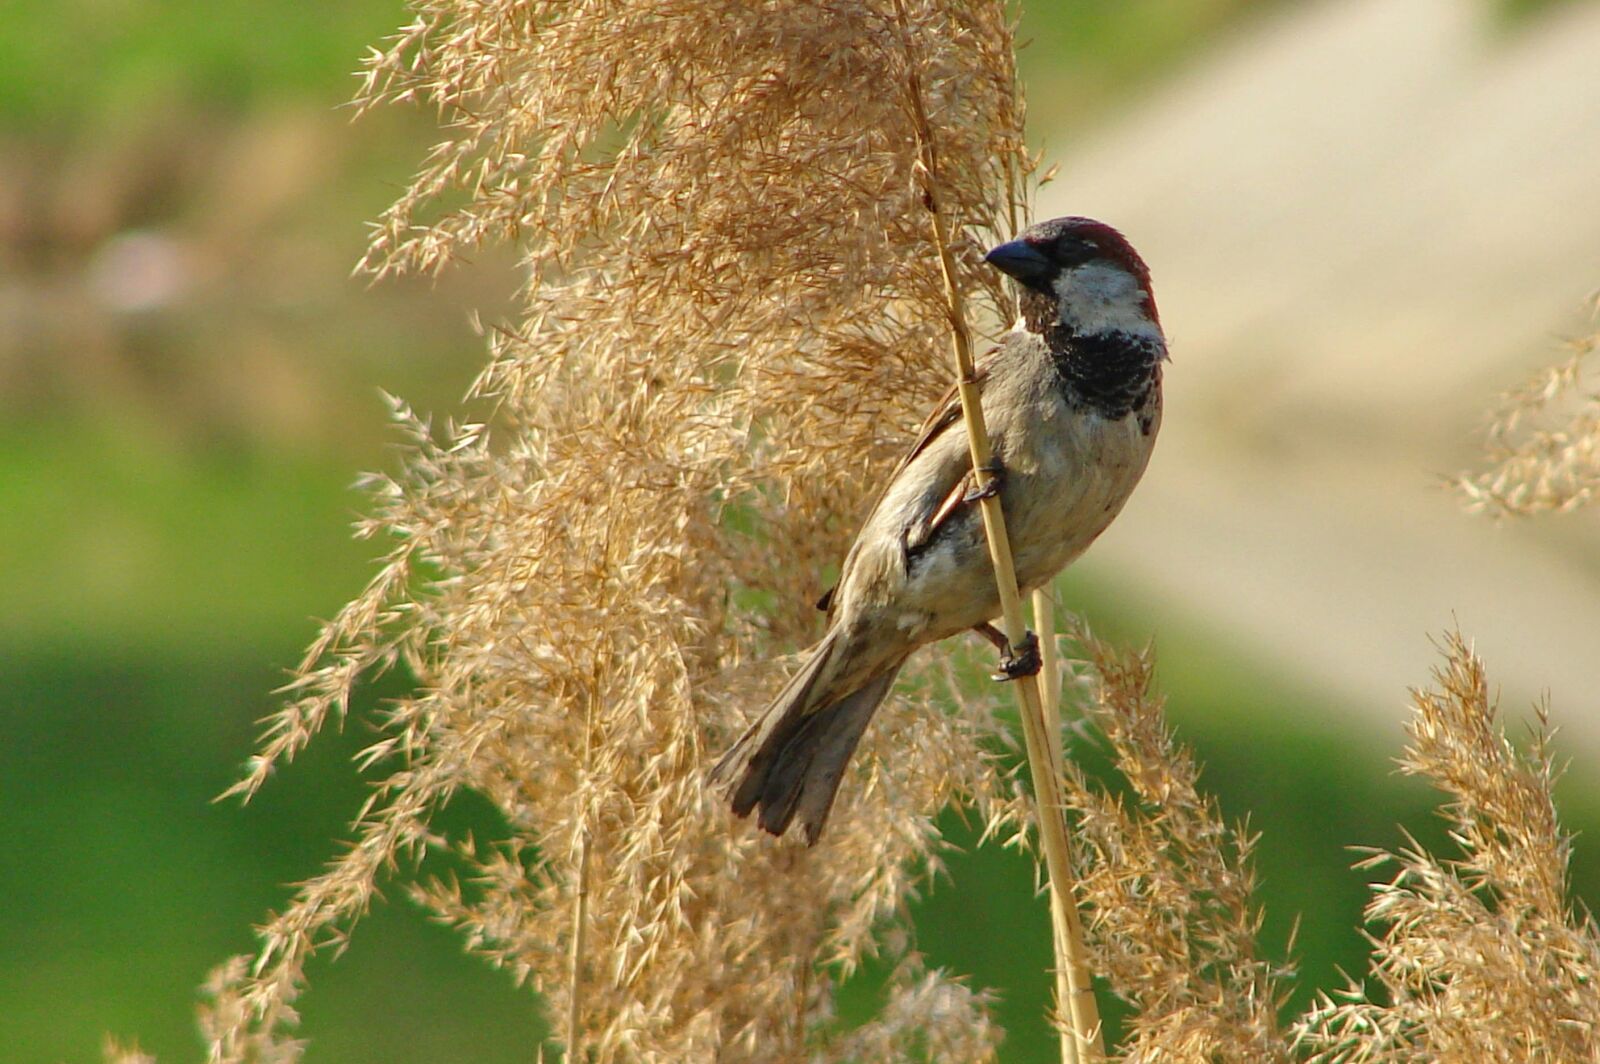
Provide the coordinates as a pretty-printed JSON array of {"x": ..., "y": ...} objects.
[{"x": 1071, "y": 251}]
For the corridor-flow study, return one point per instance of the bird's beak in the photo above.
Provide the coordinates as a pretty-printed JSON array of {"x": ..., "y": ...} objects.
[{"x": 1021, "y": 260}]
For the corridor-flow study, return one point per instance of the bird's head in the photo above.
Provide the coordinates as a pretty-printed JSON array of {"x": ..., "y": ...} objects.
[{"x": 1080, "y": 274}]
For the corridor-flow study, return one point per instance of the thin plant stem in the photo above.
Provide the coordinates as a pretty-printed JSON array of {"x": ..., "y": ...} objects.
[
  {"x": 580, "y": 921},
  {"x": 1044, "y": 623},
  {"x": 1071, "y": 956},
  {"x": 580, "y": 914}
]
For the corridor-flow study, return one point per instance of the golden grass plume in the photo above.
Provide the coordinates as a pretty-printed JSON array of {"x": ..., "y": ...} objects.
[
  {"x": 732, "y": 319},
  {"x": 1543, "y": 441},
  {"x": 1480, "y": 956},
  {"x": 1166, "y": 882}
]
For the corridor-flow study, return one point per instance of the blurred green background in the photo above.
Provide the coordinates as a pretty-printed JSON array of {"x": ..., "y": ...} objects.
[{"x": 188, "y": 387}]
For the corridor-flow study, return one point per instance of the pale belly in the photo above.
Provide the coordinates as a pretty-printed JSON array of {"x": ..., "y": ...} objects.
[{"x": 1057, "y": 501}]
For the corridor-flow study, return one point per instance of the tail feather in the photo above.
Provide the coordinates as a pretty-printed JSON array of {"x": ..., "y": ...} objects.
[
  {"x": 790, "y": 762},
  {"x": 744, "y": 765},
  {"x": 804, "y": 780}
]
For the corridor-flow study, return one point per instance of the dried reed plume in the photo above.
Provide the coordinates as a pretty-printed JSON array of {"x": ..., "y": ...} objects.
[
  {"x": 1167, "y": 883},
  {"x": 1482, "y": 956},
  {"x": 733, "y": 321},
  {"x": 1543, "y": 442},
  {"x": 1479, "y": 957}
]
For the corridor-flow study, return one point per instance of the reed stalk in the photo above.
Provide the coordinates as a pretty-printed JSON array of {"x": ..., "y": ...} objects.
[
  {"x": 1078, "y": 1007},
  {"x": 1044, "y": 622},
  {"x": 580, "y": 912}
]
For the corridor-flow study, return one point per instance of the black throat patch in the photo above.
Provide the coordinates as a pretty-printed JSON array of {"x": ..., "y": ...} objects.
[{"x": 1111, "y": 373}]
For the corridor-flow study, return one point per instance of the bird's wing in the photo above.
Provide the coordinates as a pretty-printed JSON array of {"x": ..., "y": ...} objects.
[
  {"x": 946, "y": 415},
  {"x": 945, "y": 497}
]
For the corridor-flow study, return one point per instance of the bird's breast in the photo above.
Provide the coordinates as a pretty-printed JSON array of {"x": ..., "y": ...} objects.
[{"x": 1067, "y": 479}]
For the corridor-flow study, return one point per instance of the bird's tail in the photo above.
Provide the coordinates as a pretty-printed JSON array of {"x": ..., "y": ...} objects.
[{"x": 788, "y": 764}]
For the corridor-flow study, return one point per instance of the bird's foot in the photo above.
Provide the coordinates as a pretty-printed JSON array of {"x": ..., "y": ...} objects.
[
  {"x": 986, "y": 489},
  {"x": 1020, "y": 661}
]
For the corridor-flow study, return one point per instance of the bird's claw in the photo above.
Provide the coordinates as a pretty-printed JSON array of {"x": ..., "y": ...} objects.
[
  {"x": 986, "y": 489},
  {"x": 1020, "y": 661}
]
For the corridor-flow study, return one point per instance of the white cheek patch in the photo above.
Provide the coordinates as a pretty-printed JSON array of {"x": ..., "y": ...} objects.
[{"x": 1098, "y": 297}]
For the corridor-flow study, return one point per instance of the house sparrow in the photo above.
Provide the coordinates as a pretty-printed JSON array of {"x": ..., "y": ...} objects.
[{"x": 1072, "y": 400}]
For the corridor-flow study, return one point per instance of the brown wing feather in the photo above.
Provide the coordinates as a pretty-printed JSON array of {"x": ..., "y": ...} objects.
[{"x": 946, "y": 412}]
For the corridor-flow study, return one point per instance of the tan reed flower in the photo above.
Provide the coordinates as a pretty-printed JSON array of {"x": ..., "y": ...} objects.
[
  {"x": 1543, "y": 442},
  {"x": 1481, "y": 956},
  {"x": 733, "y": 319}
]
